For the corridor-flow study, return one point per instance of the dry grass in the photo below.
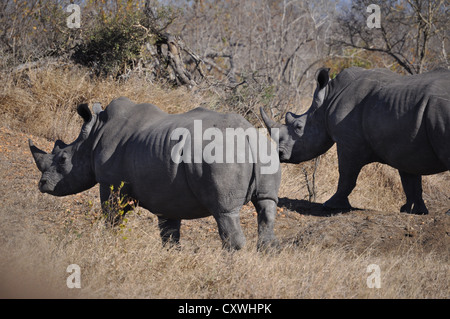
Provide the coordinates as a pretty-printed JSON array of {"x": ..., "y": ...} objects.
[
  {"x": 321, "y": 256},
  {"x": 43, "y": 102},
  {"x": 137, "y": 267}
]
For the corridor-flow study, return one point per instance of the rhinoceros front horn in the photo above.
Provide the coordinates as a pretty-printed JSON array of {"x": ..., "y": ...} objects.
[
  {"x": 40, "y": 157},
  {"x": 267, "y": 120}
]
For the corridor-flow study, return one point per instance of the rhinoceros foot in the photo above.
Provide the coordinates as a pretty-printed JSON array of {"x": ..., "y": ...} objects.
[
  {"x": 269, "y": 245},
  {"x": 337, "y": 203},
  {"x": 414, "y": 208}
]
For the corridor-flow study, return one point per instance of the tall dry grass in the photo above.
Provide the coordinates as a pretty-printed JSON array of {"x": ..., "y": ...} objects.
[
  {"x": 43, "y": 101},
  {"x": 39, "y": 236},
  {"x": 113, "y": 266}
]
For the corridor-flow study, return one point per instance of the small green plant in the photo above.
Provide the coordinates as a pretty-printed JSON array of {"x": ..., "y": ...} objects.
[{"x": 115, "y": 208}]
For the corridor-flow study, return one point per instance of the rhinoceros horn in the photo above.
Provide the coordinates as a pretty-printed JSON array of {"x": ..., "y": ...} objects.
[
  {"x": 40, "y": 157},
  {"x": 267, "y": 120}
]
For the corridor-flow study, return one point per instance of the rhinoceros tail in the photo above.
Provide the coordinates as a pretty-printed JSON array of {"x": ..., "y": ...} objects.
[{"x": 255, "y": 174}]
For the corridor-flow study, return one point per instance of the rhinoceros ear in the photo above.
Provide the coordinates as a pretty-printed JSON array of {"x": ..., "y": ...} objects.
[
  {"x": 84, "y": 112},
  {"x": 290, "y": 118},
  {"x": 322, "y": 77}
]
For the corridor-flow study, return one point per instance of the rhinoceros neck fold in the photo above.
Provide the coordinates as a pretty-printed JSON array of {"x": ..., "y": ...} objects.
[{"x": 317, "y": 138}]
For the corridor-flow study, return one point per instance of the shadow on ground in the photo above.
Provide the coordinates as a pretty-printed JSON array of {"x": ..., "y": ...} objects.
[{"x": 304, "y": 207}]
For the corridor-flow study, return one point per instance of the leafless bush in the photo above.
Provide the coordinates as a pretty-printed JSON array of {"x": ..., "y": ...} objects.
[{"x": 413, "y": 34}]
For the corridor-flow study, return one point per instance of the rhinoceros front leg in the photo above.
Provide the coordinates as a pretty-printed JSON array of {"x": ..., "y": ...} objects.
[
  {"x": 169, "y": 230},
  {"x": 267, "y": 210},
  {"x": 412, "y": 185},
  {"x": 348, "y": 174},
  {"x": 230, "y": 231}
]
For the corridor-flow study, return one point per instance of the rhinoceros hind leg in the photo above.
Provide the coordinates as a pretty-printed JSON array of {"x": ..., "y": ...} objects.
[
  {"x": 412, "y": 185},
  {"x": 169, "y": 230},
  {"x": 267, "y": 210},
  {"x": 230, "y": 231}
]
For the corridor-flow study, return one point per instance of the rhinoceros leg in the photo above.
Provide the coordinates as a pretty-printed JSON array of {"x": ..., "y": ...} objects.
[
  {"x": 230, "y": 231},
  {"x": 348, "y": 174},
  {"x": 412, "y": 185},
  {"x": 169, "y": 230},
  {"x": 266, "y": 210}
]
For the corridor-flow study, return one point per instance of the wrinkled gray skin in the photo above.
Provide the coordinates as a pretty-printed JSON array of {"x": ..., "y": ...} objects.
[
  {"x": 130, "y": 142},
  {"x": 374, "y": 116}
]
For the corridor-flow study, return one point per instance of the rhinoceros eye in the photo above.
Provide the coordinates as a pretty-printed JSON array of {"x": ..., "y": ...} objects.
[
  {"x": 62, "y": 159},
  {"x": 298, "y": 128}
]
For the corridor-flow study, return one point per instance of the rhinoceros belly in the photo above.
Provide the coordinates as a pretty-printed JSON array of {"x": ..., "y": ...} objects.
[{"x": 164, "y": 190}]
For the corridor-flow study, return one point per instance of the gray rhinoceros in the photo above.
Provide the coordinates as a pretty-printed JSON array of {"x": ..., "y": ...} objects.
[
  {"x": 135, "y": 144},
  {"x": 374, "y": 116}
]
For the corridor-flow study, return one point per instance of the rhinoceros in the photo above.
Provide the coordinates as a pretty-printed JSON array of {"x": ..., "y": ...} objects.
[
  {"x": 374, "y": 116},
  {"x": 134, "y": 145}
]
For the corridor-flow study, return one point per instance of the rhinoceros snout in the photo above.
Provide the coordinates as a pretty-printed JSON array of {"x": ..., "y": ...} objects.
[
  {"x": 44, "y": 186},
  {"x": 283, "y": 155}
]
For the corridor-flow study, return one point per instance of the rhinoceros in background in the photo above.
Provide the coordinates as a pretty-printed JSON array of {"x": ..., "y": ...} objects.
[
  {"x": 374, "y": 116},
  {"x": 134, "y": 144}
]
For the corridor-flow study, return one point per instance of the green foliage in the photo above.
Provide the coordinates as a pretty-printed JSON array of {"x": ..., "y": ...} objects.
[
  {"x": 112, "y": 47},
  {"x": 115, "y": 208}
]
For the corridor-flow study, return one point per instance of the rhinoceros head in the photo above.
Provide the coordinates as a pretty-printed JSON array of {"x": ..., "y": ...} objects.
[
  {"x": 67, "y": 169},
  {"x": 304, "y": 136}
]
